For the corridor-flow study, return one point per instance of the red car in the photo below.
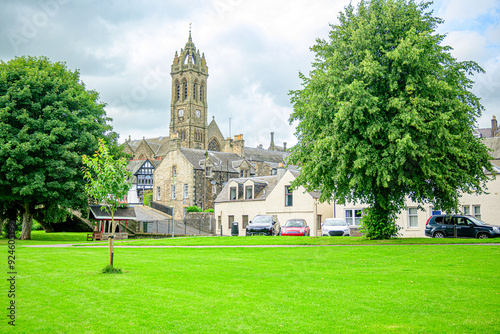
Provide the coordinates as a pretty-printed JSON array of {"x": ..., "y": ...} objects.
[{"x": 294, "y": 227}]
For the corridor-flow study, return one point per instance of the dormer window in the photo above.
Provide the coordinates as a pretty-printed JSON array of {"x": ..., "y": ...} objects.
[
  {"x": 248, "y": 192},
  {"x": 244, "y": 173},
  {"x": 232, "y": 193}
]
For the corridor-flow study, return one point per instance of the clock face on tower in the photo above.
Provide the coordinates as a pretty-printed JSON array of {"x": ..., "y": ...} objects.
[
  {"x": 198, "y": 113},
  {"x": 181, "y": 112}
]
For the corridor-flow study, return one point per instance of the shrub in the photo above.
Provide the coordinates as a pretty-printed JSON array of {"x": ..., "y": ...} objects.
[
  {"x": 148, "y": 197},
  {"x": 36, "y": 226},
  {"x": 193, "y": 208},
  {"x": 209, "y": 210}
]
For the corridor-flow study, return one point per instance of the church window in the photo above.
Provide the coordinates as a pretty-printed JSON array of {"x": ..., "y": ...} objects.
[
  {"x": 213, "y": 145},
  {"x": 202, "y": 93},
  {"x": 194, "y": 91},
  {"x": 178, "y": 91},
  {"x": 185, "y": 90}
]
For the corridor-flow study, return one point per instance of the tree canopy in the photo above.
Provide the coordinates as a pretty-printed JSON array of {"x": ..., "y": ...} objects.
[
  {"x": 387, "y": 113},
  {"x": 48, "y": 120}
]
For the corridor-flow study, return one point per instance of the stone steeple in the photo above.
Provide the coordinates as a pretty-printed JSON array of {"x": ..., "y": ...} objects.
[{"x": 188, "y": 108}]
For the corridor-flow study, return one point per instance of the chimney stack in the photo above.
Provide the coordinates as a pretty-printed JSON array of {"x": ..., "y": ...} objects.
[
  {"x": 494, "y": 126},
  {"x": 284, "y": 146},
  {"x": 272, "y": 147},
  {"x": 281, "y": 170}
]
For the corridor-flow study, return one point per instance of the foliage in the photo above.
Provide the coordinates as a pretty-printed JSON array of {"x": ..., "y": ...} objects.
[
  {"x": 193, "y": 208},
  {"x": 48, "y": 120},
  {"x": 36, "y": 226},
  {"x": 387, "y": 114},
  {"x": 111, "y": 270},
  {"x": 209, "y": 210},
  {"x": 148, "y": 197},
  {"x": 108, "y": 180}
]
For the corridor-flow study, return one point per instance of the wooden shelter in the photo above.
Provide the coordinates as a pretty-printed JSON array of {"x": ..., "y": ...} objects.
[{"x": 103, "y": 222}]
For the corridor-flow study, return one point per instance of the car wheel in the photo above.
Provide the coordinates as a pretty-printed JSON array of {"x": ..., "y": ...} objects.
[
  {"x": 439, "y": 234},
  {"x": 325, "y": 235},
  {"x": 483, "y": 236}
]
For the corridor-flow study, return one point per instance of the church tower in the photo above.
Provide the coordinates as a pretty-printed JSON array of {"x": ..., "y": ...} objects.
[{"x": 188, "y": 109}]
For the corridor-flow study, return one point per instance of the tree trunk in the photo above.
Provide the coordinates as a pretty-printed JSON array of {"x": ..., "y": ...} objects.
[
  {"x": 46, "y": 226},
  {"x": 27, "y": 223},
  {"x": 111, "y": 237}
]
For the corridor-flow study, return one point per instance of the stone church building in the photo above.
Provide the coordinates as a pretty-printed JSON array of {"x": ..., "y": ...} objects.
[{"x": 195, "y": 151}]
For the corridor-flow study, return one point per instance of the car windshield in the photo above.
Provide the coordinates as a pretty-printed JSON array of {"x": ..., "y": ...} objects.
[
  {"x": 335, "y": 222},
  {"x": 262, "y": 220},
  {"x": 477, "y": 221},
  {"x": 295, "y": 223}
]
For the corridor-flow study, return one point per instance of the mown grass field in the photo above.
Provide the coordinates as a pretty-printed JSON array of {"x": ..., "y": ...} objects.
[{"x": 398, "y": 288}]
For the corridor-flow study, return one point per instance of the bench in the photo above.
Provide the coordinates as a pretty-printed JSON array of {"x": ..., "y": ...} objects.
[{"x": 94, "y": 236}]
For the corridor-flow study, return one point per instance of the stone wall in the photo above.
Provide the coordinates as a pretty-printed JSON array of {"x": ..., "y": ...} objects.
[{"x": 204, "y": 221}]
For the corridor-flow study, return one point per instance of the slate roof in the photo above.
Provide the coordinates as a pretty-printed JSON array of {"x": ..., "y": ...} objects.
[
  {"x": 270, "y": 182},
  {"x": 97, "y": 212},
  {"x": 222, "y": 161},
  {"x": 260, "y": 154}
]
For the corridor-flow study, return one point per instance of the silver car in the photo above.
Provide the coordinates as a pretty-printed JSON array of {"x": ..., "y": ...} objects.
[{"x": 335, "y": 227}]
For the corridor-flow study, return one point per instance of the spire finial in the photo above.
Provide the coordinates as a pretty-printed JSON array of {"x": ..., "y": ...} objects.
[{"x": 190, "y": 31}]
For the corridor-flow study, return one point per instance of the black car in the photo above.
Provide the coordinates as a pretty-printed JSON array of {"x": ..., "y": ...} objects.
[
  {"x": 263, "y": 225},
  {"x": 441, "y": 226}
]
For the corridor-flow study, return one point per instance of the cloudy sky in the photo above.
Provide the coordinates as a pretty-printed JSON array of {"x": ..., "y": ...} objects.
[{"x": 254, "y": 50}]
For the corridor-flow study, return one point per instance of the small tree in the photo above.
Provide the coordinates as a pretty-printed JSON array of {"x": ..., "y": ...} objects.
[{"x": 108, "y": 182}]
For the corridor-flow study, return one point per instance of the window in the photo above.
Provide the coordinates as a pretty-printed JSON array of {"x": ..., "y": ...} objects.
[
  {"x": 248, "y": 192},
  {"x": 186, "y": 188},
  {"x": 288, "y": 196},
  {"x": 230, "y": 220},
  {"x": 213, "y": 145},
  {"x": 208, "y": 172},
  {"x": 412, "y": 217},
  {"x": 232, "y": 193},
  {"x": 194, "y": 91},
  {"x": 353, "y": 216},
  {"x": 158, "y": 194},
  {"x": 178, "y": 92},
  {"x": 185, "y": 90},
  {"x": 477, "y": 211},
  {"x": 244, "y": 220},
  {"x": 466, "y": 209}
]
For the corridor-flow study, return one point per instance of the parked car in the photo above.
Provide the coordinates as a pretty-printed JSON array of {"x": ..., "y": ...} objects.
[
  {"x": 335, "y": 227},
  {"x": 263, "y": 225},
  {"x": 441, "y": 226},
  {"x": 295, "y": 227}
]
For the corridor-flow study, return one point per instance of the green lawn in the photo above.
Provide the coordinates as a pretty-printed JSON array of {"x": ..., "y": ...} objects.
[{"x": 370, "y": 289}]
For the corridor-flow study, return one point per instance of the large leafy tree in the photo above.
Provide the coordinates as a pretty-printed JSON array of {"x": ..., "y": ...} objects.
[
  {"x": 387, "y": 114},
  {"x": 108, "y": 182},
  {"x": 48, "y": 120}
]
